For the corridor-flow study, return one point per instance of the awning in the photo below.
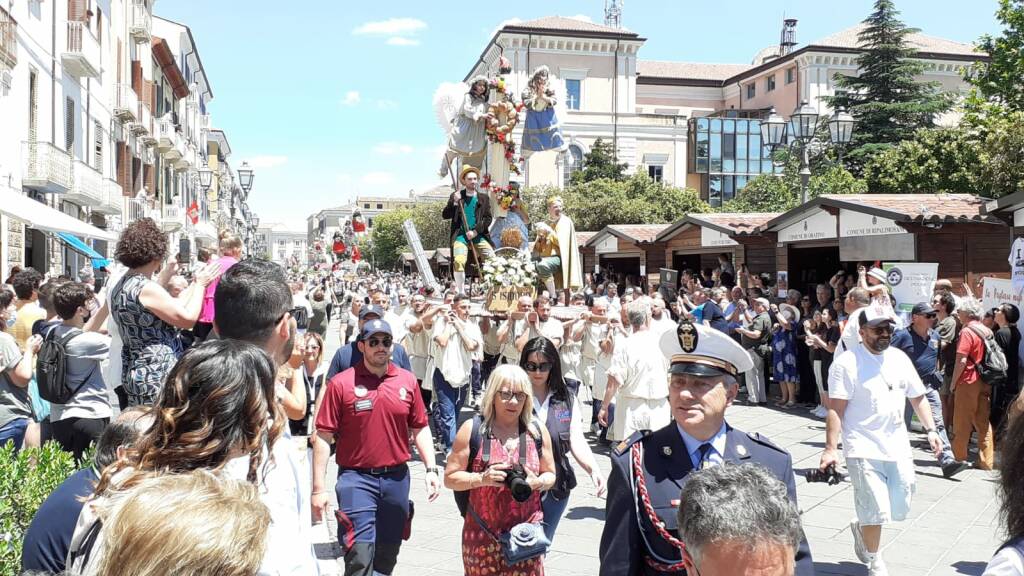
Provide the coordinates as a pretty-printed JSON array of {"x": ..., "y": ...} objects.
[
  {"x": 98, "y": 260},
  {"x": 41, "y": 217}
]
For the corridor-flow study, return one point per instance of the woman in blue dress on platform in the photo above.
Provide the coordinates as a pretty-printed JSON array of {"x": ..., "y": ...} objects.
[{"x": 543, "y": 130}]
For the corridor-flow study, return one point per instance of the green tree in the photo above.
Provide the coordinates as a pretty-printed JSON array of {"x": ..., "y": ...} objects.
[
  {"x": 637, "y": 200},
  {"x": 1001, "y": 79},
  {"x": 388, "y": 236},
  {"x": 1002, "y": 155},
  {"x": 600, "y": 162},
  {"x": 781, "y": 192},
  {"x": 886, "y": 100},
  {"x": 935, "y": 160}
]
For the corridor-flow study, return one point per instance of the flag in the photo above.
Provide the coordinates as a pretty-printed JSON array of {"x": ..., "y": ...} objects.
[{"x": 193, "y": 213}]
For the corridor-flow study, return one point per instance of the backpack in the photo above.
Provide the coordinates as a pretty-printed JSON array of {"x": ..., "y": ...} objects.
[
  {"x": 993, "y": 366},
  {"x": 462, "y": 496},
  {"x": 51, "y": 368},
  {"x": 301, "y": 316}
]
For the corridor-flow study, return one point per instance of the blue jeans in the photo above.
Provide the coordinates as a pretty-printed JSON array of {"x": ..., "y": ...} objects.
[
  {"x": 372, "y": 513},
  {"x": 553, "y": 510},
  {"x": 14, "y": 431},
  {"x": 446, "y": 410},
  {"x": 935, "y": 404}
]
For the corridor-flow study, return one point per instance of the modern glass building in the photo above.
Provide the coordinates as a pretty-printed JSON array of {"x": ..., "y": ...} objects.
[{"x": 726, "y": 151}]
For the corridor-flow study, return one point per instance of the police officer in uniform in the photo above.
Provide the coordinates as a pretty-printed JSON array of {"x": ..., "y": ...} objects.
[{"x": 650, "y": 468}]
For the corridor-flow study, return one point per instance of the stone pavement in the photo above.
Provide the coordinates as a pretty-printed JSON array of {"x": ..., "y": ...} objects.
[{"x": 952, "y": 528}]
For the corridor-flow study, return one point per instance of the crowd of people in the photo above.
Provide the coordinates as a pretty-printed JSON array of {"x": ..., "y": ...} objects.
[{"x": 207, "y": 382}]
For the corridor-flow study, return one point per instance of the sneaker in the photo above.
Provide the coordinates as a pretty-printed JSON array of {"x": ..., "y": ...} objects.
[
  {"x": 877, "y": 567},
  {"x": 953, "y": 468},
  {"x": 858, "y": 542}
]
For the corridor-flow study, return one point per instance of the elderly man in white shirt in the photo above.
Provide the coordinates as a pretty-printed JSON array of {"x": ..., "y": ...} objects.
[
  {"x": 512, "y": 328},
  {"x": 540, "y": 323},
  {"x": 636, "y": 378}
]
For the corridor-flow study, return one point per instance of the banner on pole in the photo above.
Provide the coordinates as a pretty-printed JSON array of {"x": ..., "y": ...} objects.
[{"x": 911, "y": 282}]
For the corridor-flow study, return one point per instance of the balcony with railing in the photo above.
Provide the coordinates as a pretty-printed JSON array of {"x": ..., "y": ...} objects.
[
  {"x": 141, "y": 22},
  {"x": 168, "y": 139},
  {"x": 173, "y": 218},
  {"x": 86, "y": 185},
  {"x": 81, "y": 57},
  {"x": 8, "y": 41},
  {"x": 113, "y": 199},
  {"x": 183, "y": 160},
  {"x": 143, "y": 126},
  {"x": 47, "y": 168},
  {"x": 126, "y": 103}
]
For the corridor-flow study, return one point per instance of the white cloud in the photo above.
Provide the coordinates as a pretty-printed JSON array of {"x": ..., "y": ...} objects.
[
  {"x": 581, "y": 18},
  {"x": 387, "y": 104},
  {"x": 391, "y": 27},
  {"x": 401, "y": 41},
  {"x": 392, "y": 148},
  {"x": 503, "y": 23},
  {"x": 351, "y": 98},
  {"x": 378, "y": 178},
  {"x": 267, "y": 161}
]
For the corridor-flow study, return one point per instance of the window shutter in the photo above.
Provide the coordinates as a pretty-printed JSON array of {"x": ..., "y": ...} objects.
[
  {"x": 98, "y": 147},
  {"x": 69, "y": 125}
]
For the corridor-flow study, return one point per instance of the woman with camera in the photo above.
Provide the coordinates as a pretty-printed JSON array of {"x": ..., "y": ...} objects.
[
  {"x": 504, "y": 459},
  {"x": 556, "y": 407}
]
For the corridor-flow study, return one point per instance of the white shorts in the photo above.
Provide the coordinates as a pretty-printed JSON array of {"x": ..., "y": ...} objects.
[{"x": 882, "y": 489}]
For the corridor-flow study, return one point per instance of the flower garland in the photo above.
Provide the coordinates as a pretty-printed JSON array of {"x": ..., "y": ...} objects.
[
  {"x": 501, "y": 132},
  {"x": 515, "y": 270}
]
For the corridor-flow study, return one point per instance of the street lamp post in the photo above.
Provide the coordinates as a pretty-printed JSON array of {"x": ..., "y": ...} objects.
[
  {"x": 804, "y": 124},
  {"x": 245, "y": 177}
]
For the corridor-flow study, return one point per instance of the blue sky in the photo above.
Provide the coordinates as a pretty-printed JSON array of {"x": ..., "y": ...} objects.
[{"x": 331, "y": 99}]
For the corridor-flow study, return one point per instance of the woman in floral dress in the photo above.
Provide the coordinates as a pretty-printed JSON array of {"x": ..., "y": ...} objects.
[{"x": 506, "y": 411}]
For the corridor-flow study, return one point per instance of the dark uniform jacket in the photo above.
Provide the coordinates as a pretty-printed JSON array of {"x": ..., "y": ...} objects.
[
  {"x": 630, "y": 540},
  {"x": 483, "y": 215}
]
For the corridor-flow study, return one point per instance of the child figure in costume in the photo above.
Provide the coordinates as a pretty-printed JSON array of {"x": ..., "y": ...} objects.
[
  {"x": 468, "y": 138},
  {"x": 510, "y": 219},
  {"x": 557, "y": 251},
  {"x": 469, "y": 226},
  {"x": 542, "y": 131}
]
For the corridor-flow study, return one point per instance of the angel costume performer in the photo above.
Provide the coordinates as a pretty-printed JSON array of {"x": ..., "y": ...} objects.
[
  {"x": 468, "y": 137},
  {"x": 542, "y": 131},
  {"x": 559, "y": 253}
]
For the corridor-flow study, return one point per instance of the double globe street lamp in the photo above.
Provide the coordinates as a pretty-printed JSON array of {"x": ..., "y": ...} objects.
[{"x": 804, "y": 123}]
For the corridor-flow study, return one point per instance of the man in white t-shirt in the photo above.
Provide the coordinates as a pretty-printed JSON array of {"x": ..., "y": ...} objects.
[
  {"x": 512, "y": 328},
  {"x": 868, "y": 388},
  {"x": 540, "y": 323},
  {"x": 637, "y": 380},
  {"x": 458, "y": 339}
]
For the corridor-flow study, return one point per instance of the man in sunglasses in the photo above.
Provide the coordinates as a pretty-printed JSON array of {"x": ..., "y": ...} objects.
[
  {"x": 650, "y": 467},
  {"x": 373, "y": 409},
  {"x": 868, "y": 387}
]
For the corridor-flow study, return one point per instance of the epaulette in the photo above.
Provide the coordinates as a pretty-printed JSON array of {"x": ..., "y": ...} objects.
[
  {"x": 623, "y": 446},
  {"x": 764, "y": 441}
]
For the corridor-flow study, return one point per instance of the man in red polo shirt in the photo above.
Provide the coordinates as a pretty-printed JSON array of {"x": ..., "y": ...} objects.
[
  {"x": 972, "y": 396},
  {"x": 373, "y": 408}
]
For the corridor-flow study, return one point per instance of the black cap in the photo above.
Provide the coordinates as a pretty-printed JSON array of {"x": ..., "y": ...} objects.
[{"x": 923, "y": 309}]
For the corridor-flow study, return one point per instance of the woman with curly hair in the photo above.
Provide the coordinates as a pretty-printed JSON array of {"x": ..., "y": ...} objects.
[
  {"x": 147, "y": 316},
  {"x": 217, "y": 412},
  {"x": 1009, "y": 559}
]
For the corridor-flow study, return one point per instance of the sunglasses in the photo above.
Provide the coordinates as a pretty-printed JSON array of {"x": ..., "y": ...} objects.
[
  {"x": 508, "y": 395},
  {"x": 375, "y": 342},
  {"x": 534, "y": 367}
]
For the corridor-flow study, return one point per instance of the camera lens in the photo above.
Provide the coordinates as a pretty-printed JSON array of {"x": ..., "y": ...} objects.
[{"x": 521, "y": 491}]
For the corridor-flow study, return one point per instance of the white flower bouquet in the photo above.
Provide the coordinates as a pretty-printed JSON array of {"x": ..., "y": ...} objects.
[{"x": 512, "y": 270}]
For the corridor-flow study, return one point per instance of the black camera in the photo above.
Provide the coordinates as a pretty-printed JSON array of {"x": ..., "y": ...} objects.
[
  {"x": 515, "y": 479},
  {"x": 829, "y": 475}
]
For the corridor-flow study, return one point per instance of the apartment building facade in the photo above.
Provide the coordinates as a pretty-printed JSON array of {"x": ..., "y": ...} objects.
[
  {"x": 686, "y": 123},
  {"x": 104, "y": 113}
]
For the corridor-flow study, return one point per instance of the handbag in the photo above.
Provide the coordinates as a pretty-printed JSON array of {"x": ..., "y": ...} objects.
[{"x": 525, "y": 540}]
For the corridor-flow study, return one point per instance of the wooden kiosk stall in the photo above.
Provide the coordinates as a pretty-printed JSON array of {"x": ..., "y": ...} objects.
[
  {"x": 696, "y": 241},
  {"x": 834, "y": 232},
  {"x": 627, "y": 249}
]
